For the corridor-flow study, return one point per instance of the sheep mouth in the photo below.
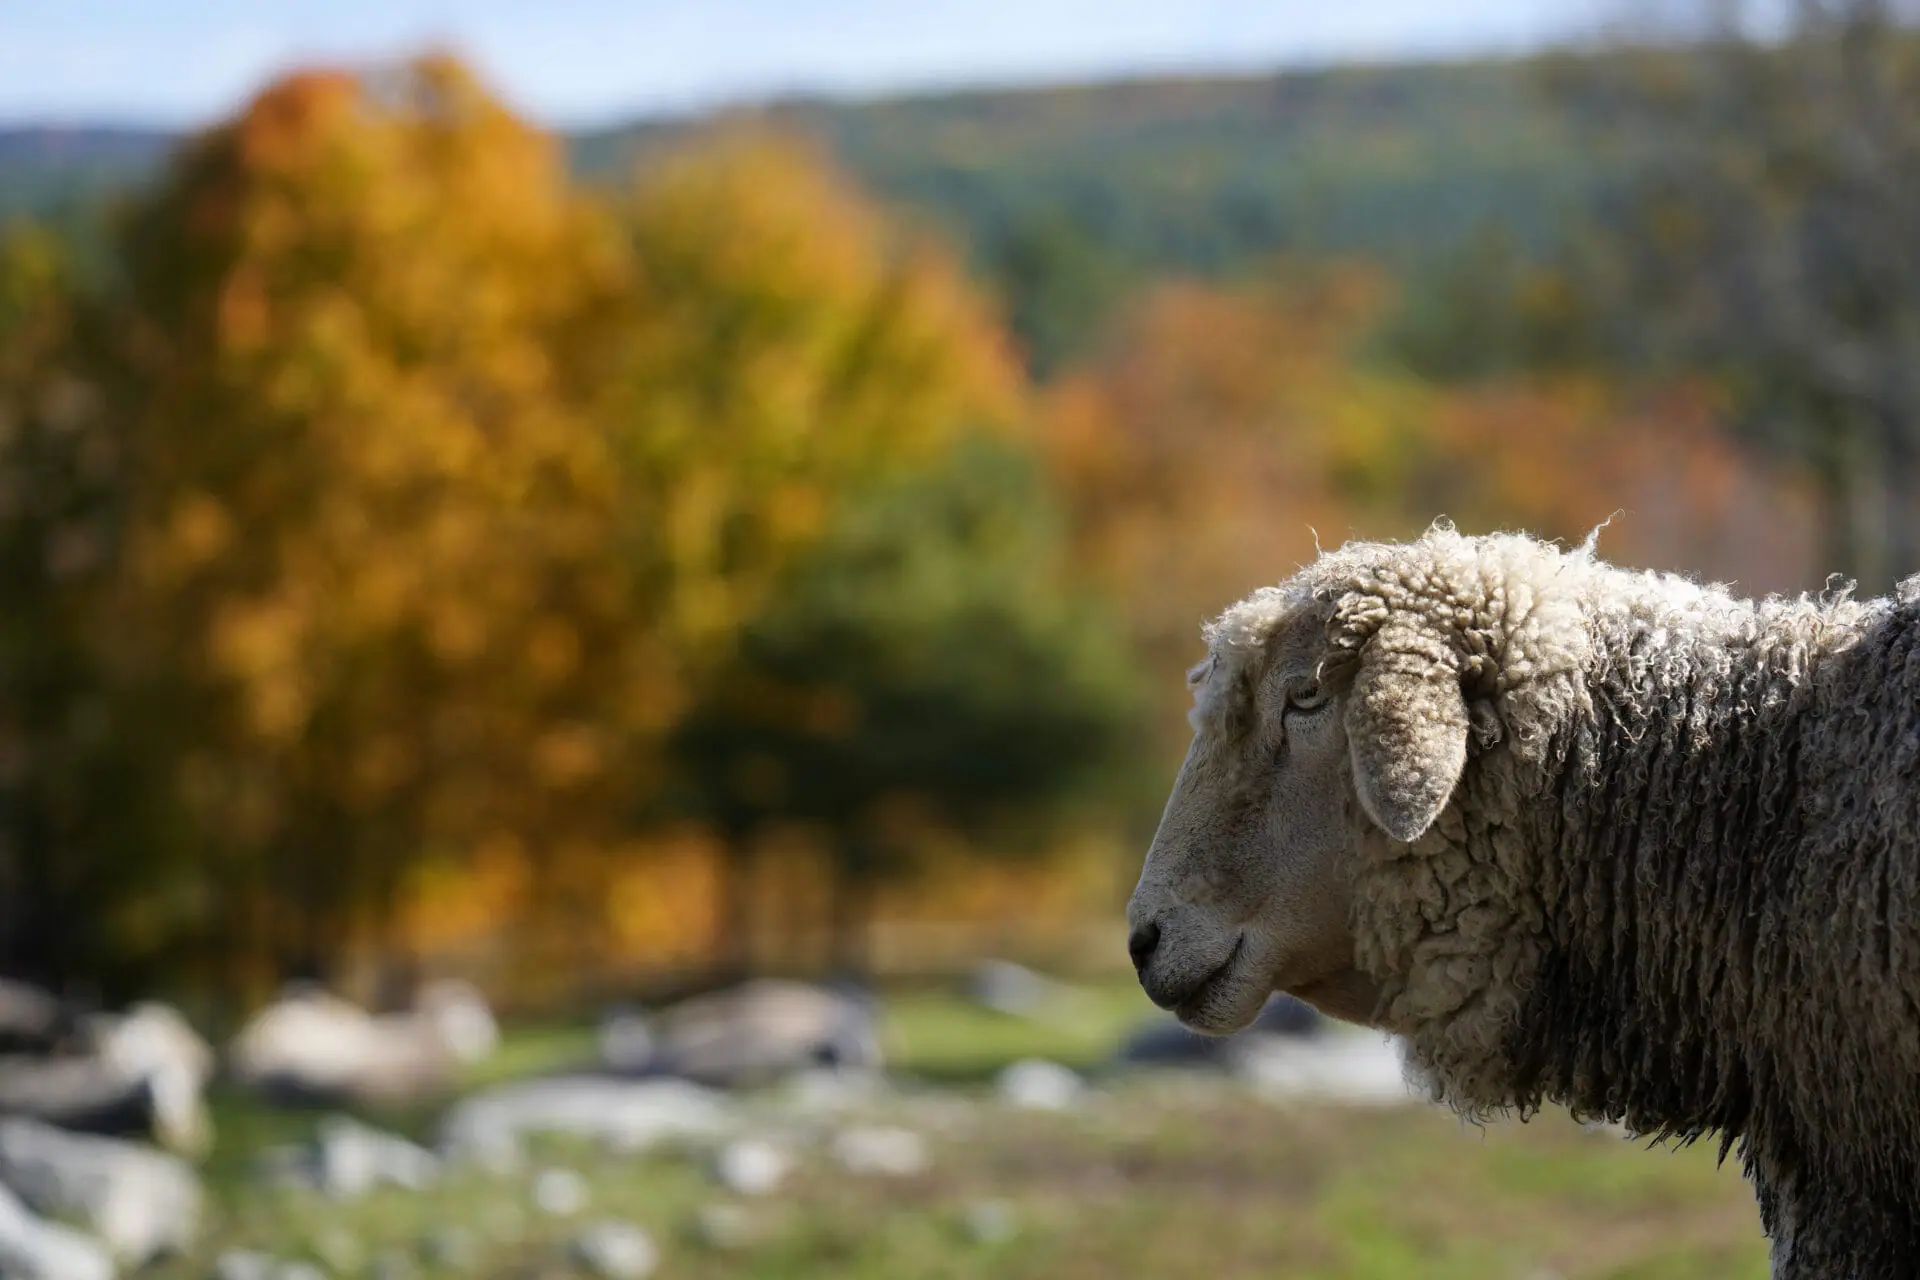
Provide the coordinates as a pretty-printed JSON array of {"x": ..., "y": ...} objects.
[{"x": 1203, "y": 1008}]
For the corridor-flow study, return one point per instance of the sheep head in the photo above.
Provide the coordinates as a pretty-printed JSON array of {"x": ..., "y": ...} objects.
[{"x": 1333, "y": 715}]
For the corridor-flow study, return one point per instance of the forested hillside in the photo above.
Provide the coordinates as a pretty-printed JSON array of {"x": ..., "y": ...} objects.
[{"x": 1068, "y": 197}]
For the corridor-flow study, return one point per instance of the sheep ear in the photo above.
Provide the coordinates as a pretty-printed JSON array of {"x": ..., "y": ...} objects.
[{"x": 1407, "y": 726}]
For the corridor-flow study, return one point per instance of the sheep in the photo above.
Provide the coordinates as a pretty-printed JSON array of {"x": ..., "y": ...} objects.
[{"x": 1615, "y": 840}]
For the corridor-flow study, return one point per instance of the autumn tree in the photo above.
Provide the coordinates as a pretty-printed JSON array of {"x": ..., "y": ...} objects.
[
  {"x": 366, "y": 592},
  {"x": 775, "y": 343}
]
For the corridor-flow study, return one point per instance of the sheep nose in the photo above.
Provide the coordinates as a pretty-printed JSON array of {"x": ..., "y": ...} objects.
[{"x": 1141, "y": 942}]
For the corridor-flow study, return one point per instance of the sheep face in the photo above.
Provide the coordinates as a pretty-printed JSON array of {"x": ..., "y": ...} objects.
[{"x": 1248, "y": 885}]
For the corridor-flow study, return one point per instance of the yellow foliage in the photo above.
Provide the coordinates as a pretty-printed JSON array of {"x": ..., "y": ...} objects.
[{"x": 450, "y": 478}]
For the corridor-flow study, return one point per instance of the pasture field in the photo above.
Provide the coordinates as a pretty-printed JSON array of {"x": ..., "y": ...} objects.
[{"x": 1150, "y": 1175}]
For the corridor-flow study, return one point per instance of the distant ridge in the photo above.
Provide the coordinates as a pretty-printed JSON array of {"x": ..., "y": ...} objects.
[{"x": 1065, "y": 195}]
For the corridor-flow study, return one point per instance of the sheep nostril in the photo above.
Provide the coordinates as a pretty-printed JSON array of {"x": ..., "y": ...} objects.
[{"x": 1141, "y": 942}]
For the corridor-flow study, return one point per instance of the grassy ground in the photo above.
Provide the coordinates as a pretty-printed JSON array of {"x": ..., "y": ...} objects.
[{"x": 1151, "y": 1177}]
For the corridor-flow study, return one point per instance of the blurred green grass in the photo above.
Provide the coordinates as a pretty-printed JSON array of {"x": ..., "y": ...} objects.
[
  {"x": 941, "y": 1035},
  {"x": 1149, "y": 1178}
]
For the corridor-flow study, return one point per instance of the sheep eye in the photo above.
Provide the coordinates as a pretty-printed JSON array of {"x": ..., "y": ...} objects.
[{"x": 1310, "y": 696}]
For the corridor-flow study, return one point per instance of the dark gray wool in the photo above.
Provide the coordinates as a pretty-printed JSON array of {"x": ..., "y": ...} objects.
[{"x": 1679, "y": 887}]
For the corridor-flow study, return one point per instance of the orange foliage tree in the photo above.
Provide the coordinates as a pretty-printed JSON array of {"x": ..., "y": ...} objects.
[{"x": 365, "y": 586}]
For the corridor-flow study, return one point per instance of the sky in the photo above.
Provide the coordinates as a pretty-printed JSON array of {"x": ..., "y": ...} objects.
[{"x": 578, "y": 63}]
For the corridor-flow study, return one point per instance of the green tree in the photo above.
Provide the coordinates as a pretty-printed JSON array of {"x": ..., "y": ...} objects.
[
  {"x": 924, "y": 668},
  {"x": 60, "y": 467}
]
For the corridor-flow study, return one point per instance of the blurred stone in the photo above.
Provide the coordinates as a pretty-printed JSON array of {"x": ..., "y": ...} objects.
[
  {"x": 1011, "y": 989},
  {"x": 751, "y": 1166},
  {"x": 297, "y": 1270},
  {"x": 311, "y": 1048},
  {"x": 349, "y": 1159},
  {"x": 34, "y": 1249},
  {"x": 880, "y": 1150},
  {"x": 150, "y": 1037},
  {"x": 763, "y": 1030},
  {"x": 462, "y": 1016},
  {"x": 615, "y": 1251},
  {"x": 1354, "y": 1069},
  {"x": 1035, "y": 1084},
  {"x": 153, "y": 1042},
  {"x": 990, "y": 1222},
  {"x": 561, "y": 1193},
  {"x": 143, "y": 1203},
  {"x": 626, "y": 1115},
  {"x": 626, "y": 1041},
  {"x": 92, "y": 1095}
]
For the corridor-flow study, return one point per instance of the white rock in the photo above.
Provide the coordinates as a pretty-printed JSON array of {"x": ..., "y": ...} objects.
[
  {"x": 319, "y": 1040},
  {"x": 880, "y": 1150},
  {"x": 759, "y": 1031},
  {"x": 351, "y": 1159},
  {"x": 34, "y": 1249},
  {"x": 313, "y": 1046},
  {"x": 615, "y": 1251},
  {"x": 751, "y": 1166},
  {"x": 144, "y": 1203},
  {"x": 152, "y": 1036},
  {"x": 1035, "y": 1084},
  {"x": 560, "y": 1192}
]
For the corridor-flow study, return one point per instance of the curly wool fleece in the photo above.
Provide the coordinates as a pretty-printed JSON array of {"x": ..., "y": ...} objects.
[{"x": 1678, "y": 882}]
